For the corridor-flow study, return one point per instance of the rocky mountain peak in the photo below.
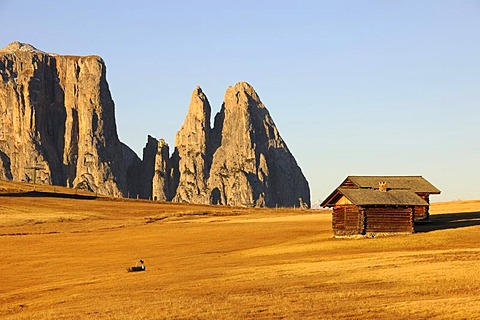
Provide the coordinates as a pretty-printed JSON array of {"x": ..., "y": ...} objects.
[
  {"x": 57, "y": 112},
  {"x": 242, "y": 94},
  {"x": 20, "y": 46},
  {"x": 191, "y": 152},
  {"x": 242, "y": 161},
  {"x": 251, "y": 164},
  {"x": 199, "y": 107}
]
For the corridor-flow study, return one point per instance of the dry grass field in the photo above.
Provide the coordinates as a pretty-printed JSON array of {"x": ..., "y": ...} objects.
[{"x": 67, "y": 258}]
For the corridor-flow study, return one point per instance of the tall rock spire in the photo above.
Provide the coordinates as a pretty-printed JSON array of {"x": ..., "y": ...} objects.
[
  {"x": 191, "y": 155},
  {"x": 252, "y": 165},
  {"x": 161, "y": 178}
]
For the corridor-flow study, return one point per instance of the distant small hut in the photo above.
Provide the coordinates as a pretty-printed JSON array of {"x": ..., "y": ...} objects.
[{"x": 365, "y": 205}]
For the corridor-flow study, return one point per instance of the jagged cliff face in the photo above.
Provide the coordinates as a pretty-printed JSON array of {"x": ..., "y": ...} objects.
[
  {"x": 161, "y": 181},
  {"x": 191, "y": 155},
  {"x": 153, "y": 174},
  {"x": 57, "y": 113},
  {"x": 251, "y": 163},
  {"x": 242, "y": 161}
]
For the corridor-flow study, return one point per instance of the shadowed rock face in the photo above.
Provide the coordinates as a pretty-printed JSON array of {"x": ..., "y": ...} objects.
[{"x": 57, "y": 113}]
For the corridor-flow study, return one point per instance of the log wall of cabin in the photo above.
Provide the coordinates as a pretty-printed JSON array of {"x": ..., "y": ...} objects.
[
  {"x": 422, "y": 212},
  {"x": 346, "y": 220},
  {"x": 389, "y": 219}
]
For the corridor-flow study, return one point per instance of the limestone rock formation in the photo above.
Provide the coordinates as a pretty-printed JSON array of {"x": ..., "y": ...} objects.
[
  {"x": 134, "y": 171},
  {"x": 191, "y": 154},
  {"x": 161, "y": 181},
  {"x": 242, "y": 161},
  {"x": 251, "y": 163},
  {"x": 57, "y": 113},
  {"x": 154, "y": 175}
]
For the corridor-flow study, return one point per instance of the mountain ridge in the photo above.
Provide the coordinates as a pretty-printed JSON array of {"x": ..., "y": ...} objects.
[{"x": 62, "y": 115}]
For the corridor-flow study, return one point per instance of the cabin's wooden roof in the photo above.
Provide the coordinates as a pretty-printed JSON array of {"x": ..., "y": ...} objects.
[
  {"x": 416, "y": 184},
  {"x": 370, "y": 197},
  {"x": 401, "y": 190}
]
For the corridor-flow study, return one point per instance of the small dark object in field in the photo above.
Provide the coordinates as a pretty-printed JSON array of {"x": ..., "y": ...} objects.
[
  {"x": 135, "y": 269},
  {"x": 139, "y": 266}
]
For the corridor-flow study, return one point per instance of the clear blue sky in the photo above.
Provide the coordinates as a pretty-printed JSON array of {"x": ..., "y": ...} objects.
[{"x": 355, "y": 87}]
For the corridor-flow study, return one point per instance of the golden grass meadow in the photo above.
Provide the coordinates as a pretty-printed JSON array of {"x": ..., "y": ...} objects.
[{"x": 66, "y": 258}]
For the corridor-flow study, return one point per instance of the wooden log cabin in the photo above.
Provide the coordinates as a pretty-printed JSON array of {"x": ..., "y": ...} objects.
[{"x": 364, "y": 205}]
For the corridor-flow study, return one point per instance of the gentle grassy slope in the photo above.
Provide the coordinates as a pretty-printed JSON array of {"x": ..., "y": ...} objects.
[
  {"x": 11, "y": 187},
  {"x": 66, "y": 258}
]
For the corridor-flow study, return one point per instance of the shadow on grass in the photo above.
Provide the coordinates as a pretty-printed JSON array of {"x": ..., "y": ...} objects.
[
  {"x": 449, "y": 221},
  {"x": 47, "y": 194}
]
